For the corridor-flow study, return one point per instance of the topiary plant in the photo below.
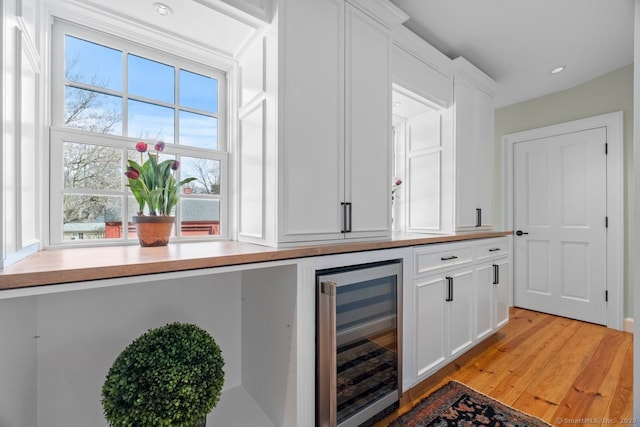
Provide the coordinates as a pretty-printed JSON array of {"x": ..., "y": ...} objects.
[{"x": 170, "y": 376}]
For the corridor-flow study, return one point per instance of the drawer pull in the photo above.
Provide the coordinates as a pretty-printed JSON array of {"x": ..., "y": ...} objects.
[
  {"x": 494, "y": 249},
  {"x": 448, "y": 258}
]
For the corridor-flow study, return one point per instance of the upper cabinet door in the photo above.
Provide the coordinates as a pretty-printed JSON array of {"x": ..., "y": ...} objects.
[
  {"x": 368, "y": 125},
  {"x": 311, "y": 111},
  {"x": 474, "y": 148}
]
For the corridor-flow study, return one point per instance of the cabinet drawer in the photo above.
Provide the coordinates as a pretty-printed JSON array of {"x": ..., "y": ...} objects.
[
  {"x": 428, "y": 260},
  {"x": 492, "y": 248}
]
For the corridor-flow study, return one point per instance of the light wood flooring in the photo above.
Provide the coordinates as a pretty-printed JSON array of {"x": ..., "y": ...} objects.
[{"x": 561, "y": 370}]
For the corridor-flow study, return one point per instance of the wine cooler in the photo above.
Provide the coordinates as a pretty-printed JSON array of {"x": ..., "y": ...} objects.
[{"x": 358, "y": 367}]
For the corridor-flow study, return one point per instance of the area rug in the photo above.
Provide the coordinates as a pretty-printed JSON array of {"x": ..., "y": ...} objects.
[{"x": 458, "y": 405}]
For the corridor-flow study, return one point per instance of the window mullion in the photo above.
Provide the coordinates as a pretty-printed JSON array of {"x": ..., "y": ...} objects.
[{"x": 125, "y": 93}]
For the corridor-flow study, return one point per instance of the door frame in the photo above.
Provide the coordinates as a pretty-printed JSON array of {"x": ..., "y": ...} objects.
[{"x": 615, "y": 197}]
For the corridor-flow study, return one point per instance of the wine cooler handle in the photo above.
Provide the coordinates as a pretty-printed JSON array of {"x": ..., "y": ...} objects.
[{"x": 329, "y": 289}]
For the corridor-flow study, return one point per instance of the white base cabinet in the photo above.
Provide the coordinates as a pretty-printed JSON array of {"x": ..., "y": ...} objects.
[
  {"x": 492, "y": 286},
  {"x": 460, "y": 294}
]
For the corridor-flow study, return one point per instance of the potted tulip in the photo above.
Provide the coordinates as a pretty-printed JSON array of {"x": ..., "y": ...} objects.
[
  {"x": 155, "y": 187},
  {"x": 170, "y": 376}
]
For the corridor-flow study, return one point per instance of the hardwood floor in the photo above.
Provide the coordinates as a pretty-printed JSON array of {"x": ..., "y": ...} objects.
[{"x": 561, "y": 370}]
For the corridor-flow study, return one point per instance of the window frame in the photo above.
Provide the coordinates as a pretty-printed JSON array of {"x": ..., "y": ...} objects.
[{"x": 58, "y": 134}]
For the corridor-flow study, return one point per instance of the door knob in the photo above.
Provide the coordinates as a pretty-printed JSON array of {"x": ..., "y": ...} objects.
[{"x": 520, "y": 233}]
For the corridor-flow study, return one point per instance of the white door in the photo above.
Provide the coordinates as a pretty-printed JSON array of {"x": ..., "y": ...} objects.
[{"x": 560, "y": 222}]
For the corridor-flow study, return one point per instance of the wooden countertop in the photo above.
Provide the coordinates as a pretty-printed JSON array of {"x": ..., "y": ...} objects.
[{"x": 57, "y": 266}]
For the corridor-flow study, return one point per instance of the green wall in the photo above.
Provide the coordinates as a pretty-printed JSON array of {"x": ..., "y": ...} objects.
[{"x": 609, "y": 93}]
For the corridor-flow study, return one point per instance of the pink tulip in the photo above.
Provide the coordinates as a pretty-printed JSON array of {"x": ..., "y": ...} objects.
[
  {"x": 398, "y": 181},
  {"x": 159, "y": 146},
  {"x": 132, "y": 173},
  {"x": 175, "y": 165},
  {"x": 141, "y": 147}
]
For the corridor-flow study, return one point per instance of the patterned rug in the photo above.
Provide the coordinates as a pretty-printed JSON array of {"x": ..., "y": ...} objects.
[{"x": 458, "y": 405}]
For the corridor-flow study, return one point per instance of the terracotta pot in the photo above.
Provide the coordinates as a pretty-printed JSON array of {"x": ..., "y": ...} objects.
[{"x": 153, "y": 230}]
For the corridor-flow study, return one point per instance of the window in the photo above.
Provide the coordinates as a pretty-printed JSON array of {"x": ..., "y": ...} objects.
[{"x": 109, "y": 93}]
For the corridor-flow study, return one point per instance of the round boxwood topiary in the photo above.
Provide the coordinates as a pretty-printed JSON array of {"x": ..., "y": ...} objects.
[{"x": 171, "y": 376}]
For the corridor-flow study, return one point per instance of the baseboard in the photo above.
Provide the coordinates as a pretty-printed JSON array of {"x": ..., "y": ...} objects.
[{"x": 628, "y": 325}]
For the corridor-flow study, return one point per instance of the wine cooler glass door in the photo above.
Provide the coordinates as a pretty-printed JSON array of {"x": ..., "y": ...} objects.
[{"x": 358, "y": 360}]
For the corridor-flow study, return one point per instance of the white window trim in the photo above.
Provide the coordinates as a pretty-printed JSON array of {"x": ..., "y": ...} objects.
[{"x": 60, "y": 27}]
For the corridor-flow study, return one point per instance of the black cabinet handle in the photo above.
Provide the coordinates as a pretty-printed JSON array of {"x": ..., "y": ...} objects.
[
  {"x": 478, "y": 217},
  {"x": 346, "y": 217},
  {"x": 449, "y": 289},
  {"x": 494, "y": 249},
  {"x": 496, "y": 274},
  {"x": 448, "y": 258}
]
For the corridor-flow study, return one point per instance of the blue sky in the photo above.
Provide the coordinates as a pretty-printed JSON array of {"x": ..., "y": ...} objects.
[{"x": 101, "y": 66}]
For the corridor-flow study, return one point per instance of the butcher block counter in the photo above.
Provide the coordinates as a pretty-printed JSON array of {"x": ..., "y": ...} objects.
[{"x": 49, "y": 267}]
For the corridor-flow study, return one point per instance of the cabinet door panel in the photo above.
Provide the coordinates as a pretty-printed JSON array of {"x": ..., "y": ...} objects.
[
  {"x": 368, "y": 125},
  {"x": 431, "y": 327},
  {"x": 312, "y": 120},
  {"x": 466, "y": 161},
  {"x": 474, "y": 139},
  {"x": 424, "y": 173},
  {"x": 483, "y": 108},
  {"x": 484, "y": 301},
  {"x": 501, "y": 293},
  {"x": 461, "y": 312}
]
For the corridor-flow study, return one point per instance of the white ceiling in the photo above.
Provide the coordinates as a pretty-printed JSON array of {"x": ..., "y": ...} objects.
[
  {"x": 204, "y": 22},
  {"x": 517, "y": 42}
]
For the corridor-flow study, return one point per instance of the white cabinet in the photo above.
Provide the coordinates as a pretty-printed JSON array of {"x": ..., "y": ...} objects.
[
  {"x": 501, "y": 292},
  {"x": 460, "y": 299},
  {"x": 367, "y": 126},
  {"x": 491, "y": 286},
  {"x": 474, "y": 147},
  {"x": 428, "y": 183},
  {"x": 447, "y": 153},
  {"x": 335, "y": 124},
  {"x": 431, "y": 326},
  {"x": 443, "y": 305},
  {"x": 325, "y": 123},
  {"x": 459, "y": 296},
  {"x": 420, "y": 68}
]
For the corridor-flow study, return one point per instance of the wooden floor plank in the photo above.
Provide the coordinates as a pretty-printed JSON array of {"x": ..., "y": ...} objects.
[
  {"x": 547, "y": 366},
  {"x": 509, "y": 385},
  {"x": 621, "y": 402},
  {"x": 591, "y": 392},
  {"x": 545, "y": 394}
]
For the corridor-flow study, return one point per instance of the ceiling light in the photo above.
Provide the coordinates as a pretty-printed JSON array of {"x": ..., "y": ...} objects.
[
  {"x": 558, "y": 69},
  {"x": 397, "y": 104},
  {"x": 162, "y": 9}
]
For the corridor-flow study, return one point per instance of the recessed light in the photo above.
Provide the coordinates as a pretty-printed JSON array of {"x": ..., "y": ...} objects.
[
  {"x": 162, "y": 9},
  {"x": 397, "y": 104},
  {"x": 558, "y": 69}
]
